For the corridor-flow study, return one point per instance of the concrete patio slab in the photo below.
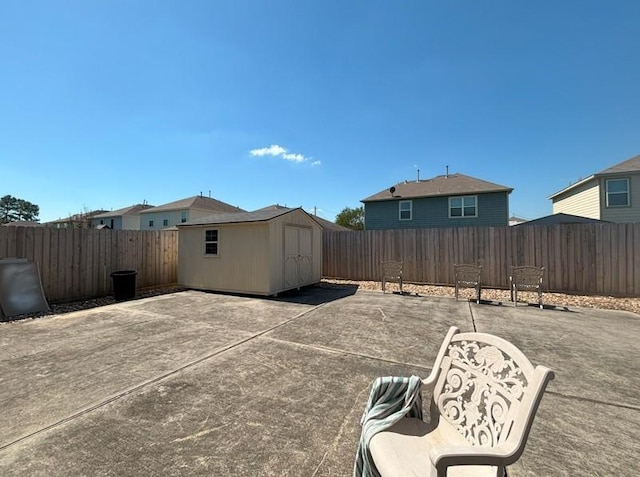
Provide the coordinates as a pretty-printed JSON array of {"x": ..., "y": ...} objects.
[{"x": 207, "y": 384}]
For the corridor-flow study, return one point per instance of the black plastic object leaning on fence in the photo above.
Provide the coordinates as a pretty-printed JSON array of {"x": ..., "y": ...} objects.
[{"x": 124, "y": 284}]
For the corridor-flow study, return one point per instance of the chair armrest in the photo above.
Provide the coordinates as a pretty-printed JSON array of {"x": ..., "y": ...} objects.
[
  {"x": 430, "y": 381},
  {"x": 450, "y": 455}
]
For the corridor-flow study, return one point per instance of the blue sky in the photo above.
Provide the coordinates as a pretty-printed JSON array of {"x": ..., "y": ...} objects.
[{"x": 106, "y": 103}]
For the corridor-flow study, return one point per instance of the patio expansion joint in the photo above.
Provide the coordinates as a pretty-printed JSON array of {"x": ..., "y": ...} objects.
[
  {"x": 349, "y": 353},
  {"x": 154, "y": 380},
  {"x": 573, "y": 397}
]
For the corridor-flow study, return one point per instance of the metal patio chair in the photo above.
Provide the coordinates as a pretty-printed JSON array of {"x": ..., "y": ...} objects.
[
  {"x": 526, "y": 279},
  {"x": 468, "y": 276},
  {"x": 391, "y": 272}
]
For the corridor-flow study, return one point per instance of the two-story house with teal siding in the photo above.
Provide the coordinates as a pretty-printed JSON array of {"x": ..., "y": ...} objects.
[
  {"x": 612, "y": 195},
  {"x": 451, "y": 200}
]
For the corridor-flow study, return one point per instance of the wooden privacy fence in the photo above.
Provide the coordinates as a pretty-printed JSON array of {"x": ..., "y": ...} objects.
[
  {"x": 77, "y": 263},
  {"x": 600, "y": 259}
]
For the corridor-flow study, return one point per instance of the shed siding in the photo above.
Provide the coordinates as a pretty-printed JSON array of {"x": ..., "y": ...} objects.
[
  {"x": 427, "y": 212},
  {"x": 242, "y": 263},
  {"x": 622, "y": 214},
  {"x": 583, "y": 201}
]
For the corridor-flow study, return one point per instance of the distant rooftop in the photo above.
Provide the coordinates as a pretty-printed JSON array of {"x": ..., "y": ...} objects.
[{"x": 196, "y": 202}]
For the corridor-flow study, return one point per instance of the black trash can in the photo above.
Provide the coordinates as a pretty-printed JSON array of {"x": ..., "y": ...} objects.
[{"x": 124, "y": 284}]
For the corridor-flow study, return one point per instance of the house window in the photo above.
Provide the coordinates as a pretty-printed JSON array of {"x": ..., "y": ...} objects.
[
  {"x": 183, "y": 216},
  {"x": 151, "y": 223},
  {"x": 101, "y": 222},
  {"x": 165, "y": 222},
  {"x": 618, "y": 193},
  {"x": 211, "y": 242},
  {"x": 465, "y": 206},
  {"x": 405, "y": 209}
]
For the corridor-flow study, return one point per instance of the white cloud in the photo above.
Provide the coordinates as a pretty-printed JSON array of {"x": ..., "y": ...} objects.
[
  {"x": 278, "y": 151},
  {"x": 274, "y": 150},
  {"x": 294, "y": 157}
]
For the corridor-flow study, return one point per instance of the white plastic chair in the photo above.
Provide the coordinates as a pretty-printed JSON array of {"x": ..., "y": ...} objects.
[{"x": 485, "y": 396}]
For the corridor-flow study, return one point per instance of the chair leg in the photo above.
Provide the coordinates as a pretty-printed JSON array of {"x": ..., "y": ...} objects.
[
  {"x": 479, "y": 293},
  {"x": 456, "y": 291},
  {"x": 400, "y": 285},
  {"x": 514, "y": 296},
  {"x": 540, "y": 299}
]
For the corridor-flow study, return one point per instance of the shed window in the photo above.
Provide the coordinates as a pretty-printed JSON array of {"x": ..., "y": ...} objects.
[
  {"x": 465, "y": 206},
  {"x": 618, "y": 193},
  {"x": 211, "y": 242},
  {"x": 405, "y": 209}
]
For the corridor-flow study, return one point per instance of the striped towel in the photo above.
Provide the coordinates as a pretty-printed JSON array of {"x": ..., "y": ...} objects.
[{"x": 391, "y": 399}]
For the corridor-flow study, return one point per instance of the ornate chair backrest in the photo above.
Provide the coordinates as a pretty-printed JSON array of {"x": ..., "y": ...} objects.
[
  {"x": 527, "y": 277},
  {"x": 486, "y": 389},
  {"x": 467, "y": 274},
  {"x": 391, "y": 268}
]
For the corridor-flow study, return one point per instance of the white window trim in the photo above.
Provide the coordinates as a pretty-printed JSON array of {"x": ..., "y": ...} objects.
[
  {"x": 204, "y": 249},
  {"x": 410, "y": 202},
  {"x": 628, "y": 192},
  {"x": 475, "y": 197}
]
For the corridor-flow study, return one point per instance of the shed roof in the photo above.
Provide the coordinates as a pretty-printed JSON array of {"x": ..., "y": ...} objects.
[
  {"x": 324, "y": 223},
  {"x": 557, "y": 219},
  {"x": 241, "y": 217},
  {"x": 446, "y": 185},
  {"x": 196, "y": 202}
]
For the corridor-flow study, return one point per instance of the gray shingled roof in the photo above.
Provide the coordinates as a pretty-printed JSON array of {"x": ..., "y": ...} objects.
[
  {"x": 131, "y": 210},
  {"x": 447, "y": 185},
  {"x": 196, "y": 202},
  {"x": 238, "y": 217},
  {"x": 559, "y": 219},
  {"x": 324, "y": 223},
  {"x": 630, "y": 165}
]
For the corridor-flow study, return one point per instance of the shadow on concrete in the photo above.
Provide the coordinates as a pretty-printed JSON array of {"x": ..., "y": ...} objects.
[{"x": 316, "y": 294}]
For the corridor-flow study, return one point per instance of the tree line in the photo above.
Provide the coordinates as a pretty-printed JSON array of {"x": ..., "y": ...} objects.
[{"x": 13, "y": 209}]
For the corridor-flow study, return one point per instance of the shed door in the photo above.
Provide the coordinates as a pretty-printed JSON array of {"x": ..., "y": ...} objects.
[{"x": 298, "y": 256}]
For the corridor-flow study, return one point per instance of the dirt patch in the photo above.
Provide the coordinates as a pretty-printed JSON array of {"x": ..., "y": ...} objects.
[{"x": 556, "y": 299}]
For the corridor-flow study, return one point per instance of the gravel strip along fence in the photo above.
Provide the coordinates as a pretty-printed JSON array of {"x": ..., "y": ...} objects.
[
  {"x": 555, "y": 299},
  {"x": 491, "y": 294}
]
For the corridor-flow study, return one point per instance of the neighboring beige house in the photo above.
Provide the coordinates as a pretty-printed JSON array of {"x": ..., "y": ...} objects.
[
  {"x": 75, "y": 221},
  {"x": 182, "y": 211},
  {"x": 612, "y": 194},
  {"x": 127, "y": 218}
]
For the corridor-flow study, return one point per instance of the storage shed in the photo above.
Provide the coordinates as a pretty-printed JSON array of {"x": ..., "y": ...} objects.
[{"x": 260, "y": 253}]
